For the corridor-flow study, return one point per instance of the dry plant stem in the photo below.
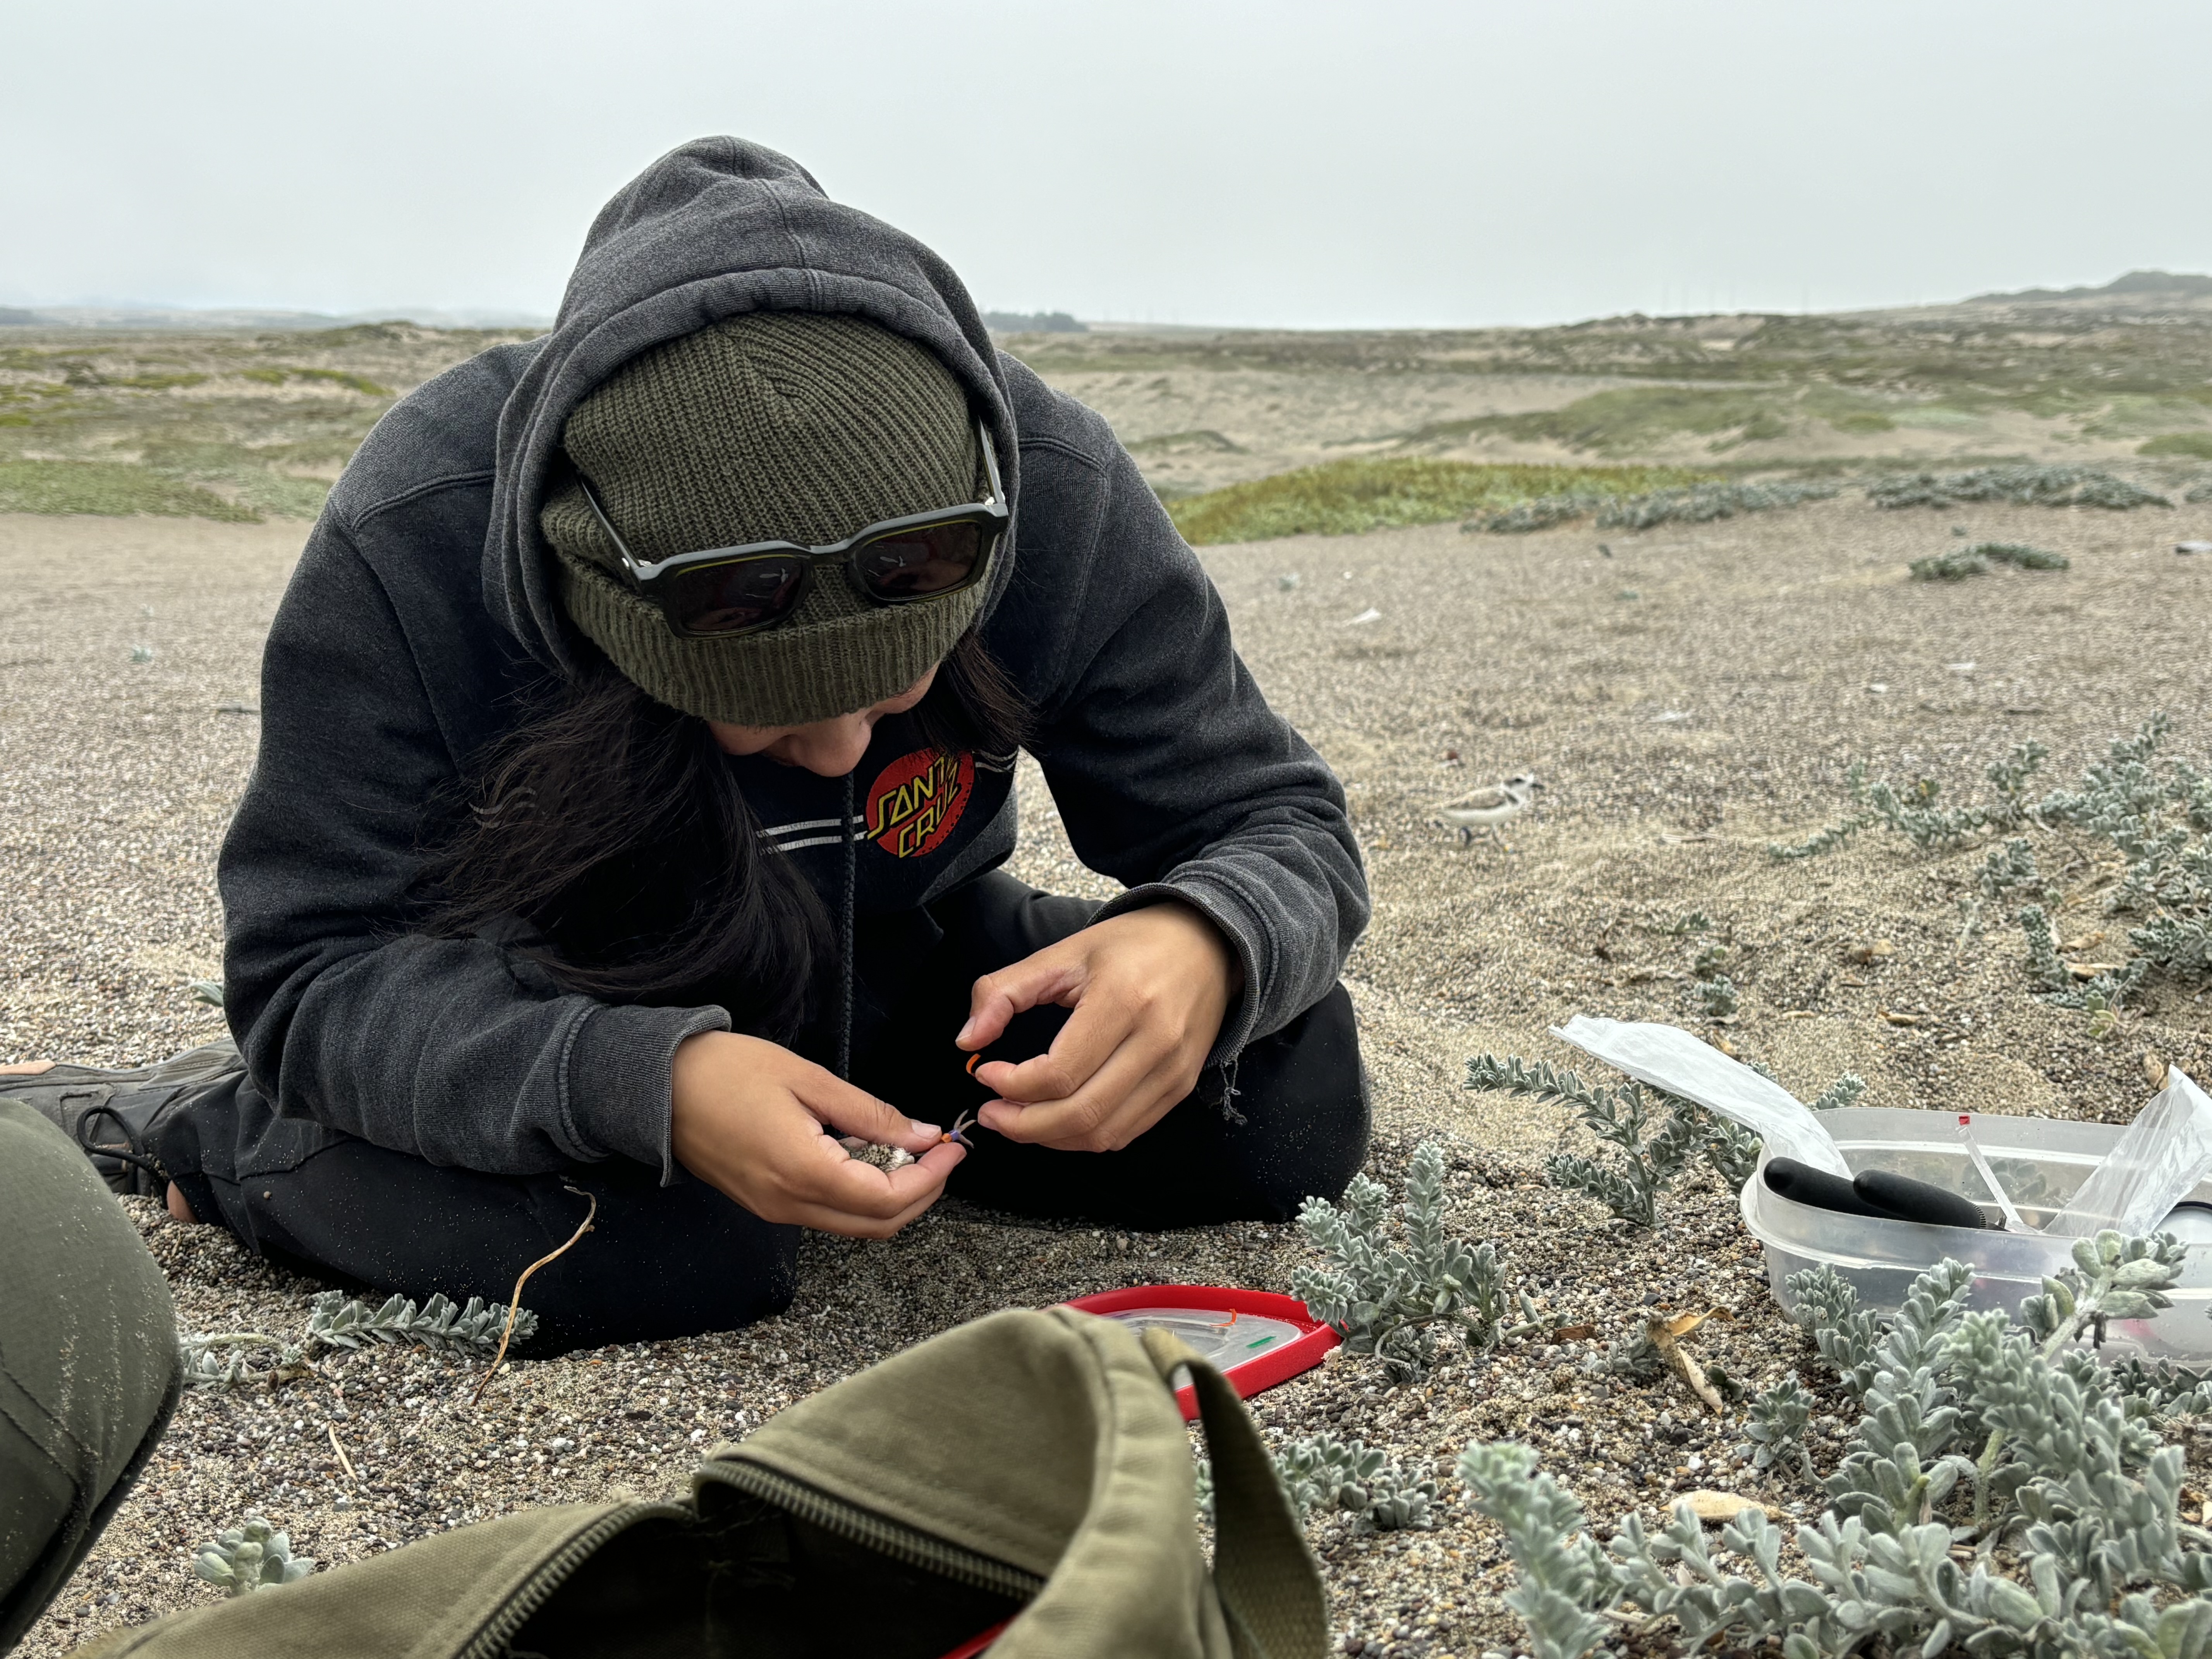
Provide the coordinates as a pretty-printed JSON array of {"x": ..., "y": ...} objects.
[
  {"x": 515, "y": 1301},
  {"x": 344, "y": 1462},
  {"x": 1662, "y": 1333}
]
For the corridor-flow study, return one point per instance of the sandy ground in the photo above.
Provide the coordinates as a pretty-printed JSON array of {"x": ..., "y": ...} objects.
[{"x": 1677, "y": 731}]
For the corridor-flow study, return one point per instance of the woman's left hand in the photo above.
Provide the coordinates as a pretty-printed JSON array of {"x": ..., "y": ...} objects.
[{"x": 1148, "y": 989}]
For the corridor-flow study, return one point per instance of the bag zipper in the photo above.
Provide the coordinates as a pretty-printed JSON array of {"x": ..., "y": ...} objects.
[
  {"x": 550, "y": 1575},
  {"x": 880, "y": 1533}
]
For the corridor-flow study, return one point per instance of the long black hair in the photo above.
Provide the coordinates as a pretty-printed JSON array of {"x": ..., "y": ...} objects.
[{"x": 615, "y": 828}]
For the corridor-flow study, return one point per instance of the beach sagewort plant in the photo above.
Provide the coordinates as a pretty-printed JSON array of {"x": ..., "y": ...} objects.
[
  {"x": 1390, "y": 1296},
  {"x": 1776, "y": 1427},
  {"x": 1976, "y": 1430},
  {"x": 2022, "y": 484},
  {"x": 249, "y": 1557},
  {"x": 1959, "y": 563},
  {"x": 2153, "y": 811},
  {"x": 1655, "y": 1135},
  {"x": 222, "y": 1359},
  {"x": 1694, "y": 503},
  {"x": 1319, "y": 1473}
]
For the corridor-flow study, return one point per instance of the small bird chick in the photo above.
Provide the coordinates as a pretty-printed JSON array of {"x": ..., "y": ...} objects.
[{"x": 1490, "y": 806}]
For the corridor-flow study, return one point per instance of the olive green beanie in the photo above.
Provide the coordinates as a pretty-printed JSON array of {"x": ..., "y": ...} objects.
[{"x": 775, "y": 426}]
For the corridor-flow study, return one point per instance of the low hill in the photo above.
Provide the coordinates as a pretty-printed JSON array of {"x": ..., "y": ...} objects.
[{"x": 2162, "y": 284}]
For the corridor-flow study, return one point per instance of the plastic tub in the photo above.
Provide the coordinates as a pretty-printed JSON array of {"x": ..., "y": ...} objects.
[{"x": 2040, "y": 1162}]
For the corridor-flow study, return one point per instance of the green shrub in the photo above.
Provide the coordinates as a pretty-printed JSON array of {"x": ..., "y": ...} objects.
[
  {"x": 1961, "y": 563},
  {"x": 2020, "y": 557},
  {"x": 1702, "y": 504},
  {"x": 1953, "y": 567},
  {"x": 1343, "y": 498},
  {"x": 345, "y": 378},
  {"x": 2024, "y": 485}
]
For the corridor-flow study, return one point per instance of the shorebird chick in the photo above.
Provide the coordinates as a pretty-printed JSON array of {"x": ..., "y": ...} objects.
[{"x": 1490, "y": 806}]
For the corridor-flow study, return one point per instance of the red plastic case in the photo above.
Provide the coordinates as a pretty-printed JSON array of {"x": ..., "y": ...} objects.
[{"x": 1262, "y": 1371}]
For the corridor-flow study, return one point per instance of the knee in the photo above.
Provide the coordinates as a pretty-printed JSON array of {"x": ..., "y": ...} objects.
[
  {"x": 688, "y": 1268},
  {"x": 1304, "y": 1096},
  {"x": 1317, "y": 1161},
  {"x": 92, "y": 1351}
]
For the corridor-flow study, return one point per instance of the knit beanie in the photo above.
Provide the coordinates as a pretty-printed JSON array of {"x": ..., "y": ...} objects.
[{"x": 774, "y": 426}]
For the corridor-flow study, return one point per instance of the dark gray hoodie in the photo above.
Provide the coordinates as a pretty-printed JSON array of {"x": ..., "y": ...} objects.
[{"x": 424, "y": 607}]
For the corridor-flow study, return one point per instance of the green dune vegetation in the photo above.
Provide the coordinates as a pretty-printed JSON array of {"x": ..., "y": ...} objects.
[
  {"x": 2196, "y": 446},
  {"x": 1250, "y": 433},
  {"x": 228, "y": 425},
  {"x": 1342, "y": 498},
  {"x": 109, "y": 486}
]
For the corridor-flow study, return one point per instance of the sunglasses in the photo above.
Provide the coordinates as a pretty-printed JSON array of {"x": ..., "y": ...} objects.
[{"x": 721, "y": 591}]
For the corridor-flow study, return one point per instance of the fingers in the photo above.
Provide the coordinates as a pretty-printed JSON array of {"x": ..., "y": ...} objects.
[
  {"x": 1054, "y": 975},
  {"x": 1138, "y": 1084},
  {"x": 1099, "y": 1026},
  {"x": 858, "y": 1114},
  {"x": 841, "y": 1194},
  {"x": 850, "y": 1227},
  {"x": 749, "y": 1117}
]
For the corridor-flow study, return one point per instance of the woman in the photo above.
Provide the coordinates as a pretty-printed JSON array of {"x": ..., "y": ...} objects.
[{"x": 637, "y": 733}]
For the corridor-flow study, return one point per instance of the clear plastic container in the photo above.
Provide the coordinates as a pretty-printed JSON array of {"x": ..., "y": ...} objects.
[{"x": 2040, "y": 1161}]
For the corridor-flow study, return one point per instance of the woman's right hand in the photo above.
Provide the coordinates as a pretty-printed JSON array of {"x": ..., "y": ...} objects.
[{"x": 748, "y": 1118}]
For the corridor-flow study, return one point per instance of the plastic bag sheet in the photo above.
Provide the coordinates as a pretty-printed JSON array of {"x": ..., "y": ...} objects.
[
  {"x": 2158, "y": 1162},
  {"x": 1681, "y": 1063}
]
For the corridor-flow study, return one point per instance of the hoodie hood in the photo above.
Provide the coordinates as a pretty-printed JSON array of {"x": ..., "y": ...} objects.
[{"x": 718, "y": 228}]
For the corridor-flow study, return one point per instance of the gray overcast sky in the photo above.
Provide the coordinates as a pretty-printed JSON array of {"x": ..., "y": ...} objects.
[{"x": 1190, "y": 161}]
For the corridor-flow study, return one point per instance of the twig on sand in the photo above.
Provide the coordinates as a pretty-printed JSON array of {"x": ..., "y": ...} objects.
[
  {"x": 344, "y": 1462},
  {"x": 515, "y": 1301}
]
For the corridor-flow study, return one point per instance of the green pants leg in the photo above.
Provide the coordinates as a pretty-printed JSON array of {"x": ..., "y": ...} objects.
[{"x": 89, "y": 1367}]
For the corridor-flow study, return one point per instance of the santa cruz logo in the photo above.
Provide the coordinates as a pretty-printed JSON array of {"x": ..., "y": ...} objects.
[{"x": 915, "y": 800}]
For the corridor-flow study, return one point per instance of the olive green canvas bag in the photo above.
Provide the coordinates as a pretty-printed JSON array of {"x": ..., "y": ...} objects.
[{"x": 1030, "y": 1470}]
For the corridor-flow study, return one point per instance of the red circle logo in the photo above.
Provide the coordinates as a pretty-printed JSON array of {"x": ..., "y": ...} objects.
[{"x": 915, "y": 800}]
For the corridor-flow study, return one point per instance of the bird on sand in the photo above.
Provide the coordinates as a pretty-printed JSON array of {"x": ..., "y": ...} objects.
[{"x": 1490, "y": 806}]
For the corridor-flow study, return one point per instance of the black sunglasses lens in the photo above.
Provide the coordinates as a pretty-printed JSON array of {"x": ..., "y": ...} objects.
[
  {"x": 914, "y": 564},
  {"x": 729, "y": 599}
]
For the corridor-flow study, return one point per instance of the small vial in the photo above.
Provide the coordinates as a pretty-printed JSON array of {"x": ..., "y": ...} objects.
[{"x": 2012, "y": 1224}]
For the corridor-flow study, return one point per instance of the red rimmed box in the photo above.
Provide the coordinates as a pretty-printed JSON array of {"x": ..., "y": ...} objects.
[{"x": 1278, "y": 1364}]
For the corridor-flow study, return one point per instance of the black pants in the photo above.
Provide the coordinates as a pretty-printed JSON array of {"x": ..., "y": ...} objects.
[{"x": 673, "y": 1260}]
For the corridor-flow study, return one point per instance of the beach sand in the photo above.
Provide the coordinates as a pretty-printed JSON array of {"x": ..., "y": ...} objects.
[{"x": 1687, "y": 695}]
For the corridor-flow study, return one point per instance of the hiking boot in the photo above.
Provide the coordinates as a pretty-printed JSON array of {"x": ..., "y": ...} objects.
[{"x": 113, "y": 1115}]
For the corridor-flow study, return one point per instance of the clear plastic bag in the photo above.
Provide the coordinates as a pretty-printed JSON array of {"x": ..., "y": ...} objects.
[
  {"x": 1669, "y": 1058},
  {"x": 2158, "y": 1162}
]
